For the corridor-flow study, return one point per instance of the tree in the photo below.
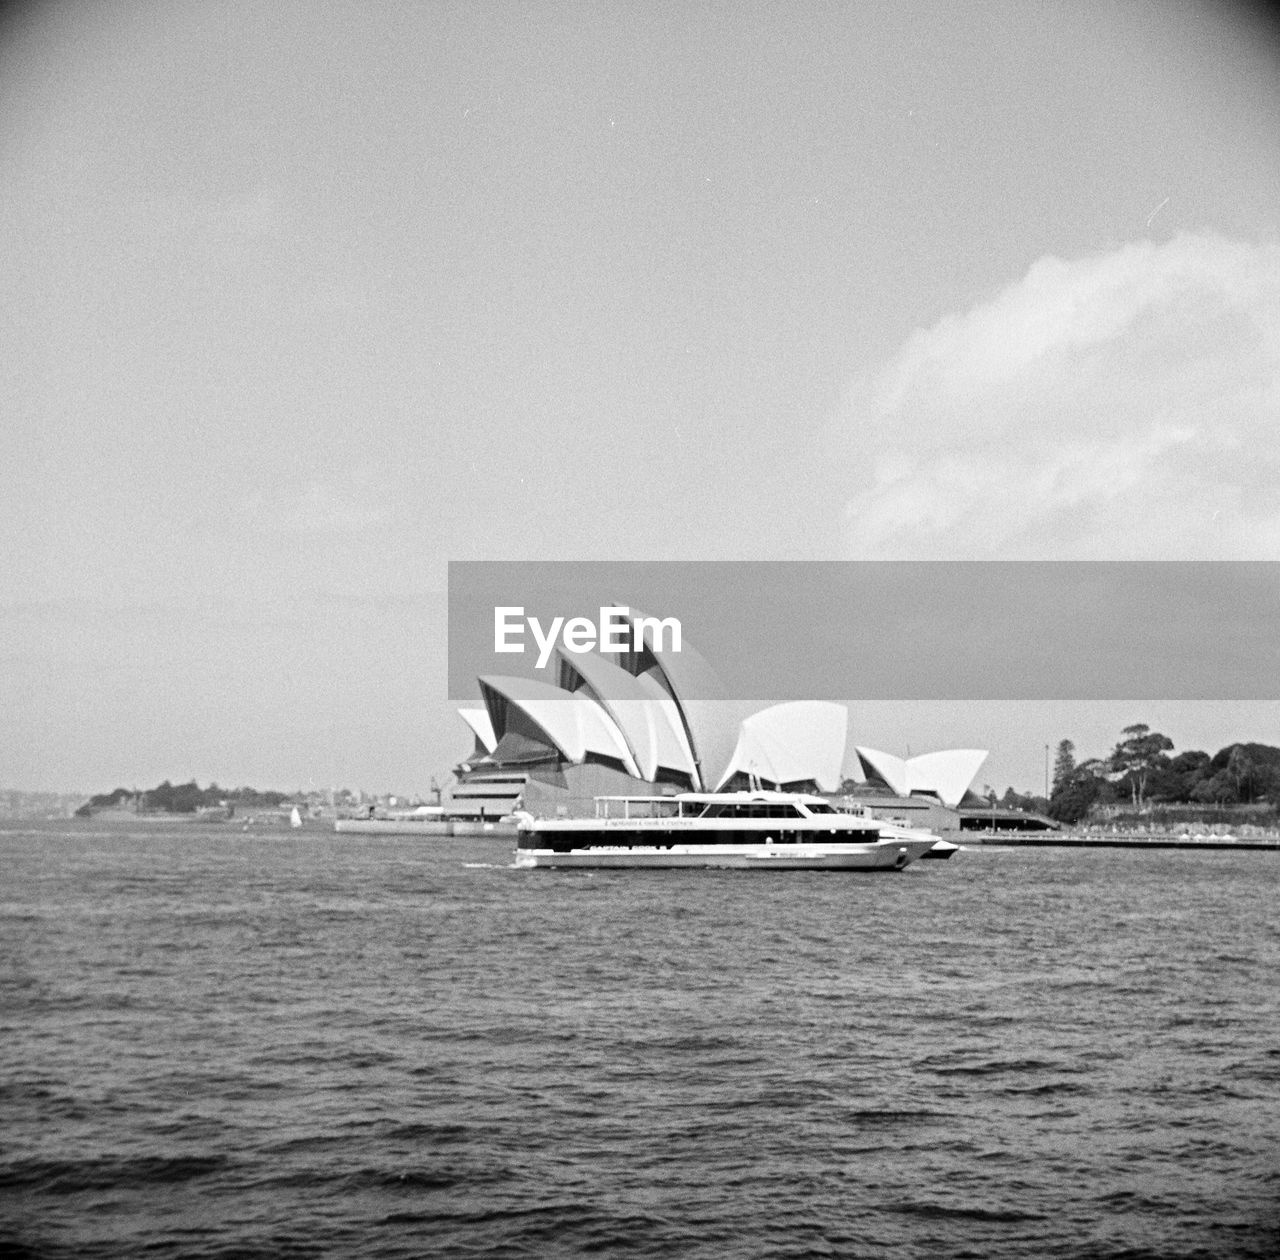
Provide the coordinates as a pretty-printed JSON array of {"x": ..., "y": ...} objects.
[
  {"x": 1254, "y": 770},
  {"x": 1243, "y": 773},
  {"x": 1184, "y": 772},
  {"x": 1136, "y": 756},
  {"x": 1064, "y": 764},
  {"x": 1218, "y": 789},
  {"x": 1073, "y": 798},
  {"x": 1013, "y": 799}
]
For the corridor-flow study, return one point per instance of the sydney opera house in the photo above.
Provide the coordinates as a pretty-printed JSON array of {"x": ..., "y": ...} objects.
[{"x": 654, "y": 720}]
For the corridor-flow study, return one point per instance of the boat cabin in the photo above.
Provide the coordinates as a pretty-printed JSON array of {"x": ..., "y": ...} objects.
[{"x": 713, "y": 805}]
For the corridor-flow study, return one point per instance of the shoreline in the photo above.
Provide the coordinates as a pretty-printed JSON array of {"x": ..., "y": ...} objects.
[{"x": 1084, "y": 841}]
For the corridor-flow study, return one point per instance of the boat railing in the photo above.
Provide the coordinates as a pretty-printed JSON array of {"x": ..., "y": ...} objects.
[{"x": 625, "y": 808}]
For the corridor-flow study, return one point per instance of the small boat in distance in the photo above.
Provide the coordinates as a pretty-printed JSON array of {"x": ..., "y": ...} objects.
[
  {"x": 755, "y": 830},
  {"x": 295, "y": 818}
]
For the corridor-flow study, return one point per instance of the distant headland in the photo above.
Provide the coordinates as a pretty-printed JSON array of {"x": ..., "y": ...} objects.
[
  {"x": 216, "y": 803},
  {"x": 183, "y": 798}
]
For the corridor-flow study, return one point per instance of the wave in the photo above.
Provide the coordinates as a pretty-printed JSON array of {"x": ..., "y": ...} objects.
[{"x": 107, "y": 1172}]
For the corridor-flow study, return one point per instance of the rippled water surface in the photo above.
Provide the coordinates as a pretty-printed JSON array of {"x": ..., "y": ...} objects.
[{"x": 216, "y": 1043}]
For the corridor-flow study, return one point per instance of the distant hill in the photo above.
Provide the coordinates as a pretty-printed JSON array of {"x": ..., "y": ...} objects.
[{"x": 185, "y": 798}]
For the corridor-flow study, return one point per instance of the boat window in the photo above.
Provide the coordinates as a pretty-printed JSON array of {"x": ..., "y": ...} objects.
[
  {"x": 755, "y": 809},
  {"x": 737, "y": 810},
  {"x": 820, "y": 807}
]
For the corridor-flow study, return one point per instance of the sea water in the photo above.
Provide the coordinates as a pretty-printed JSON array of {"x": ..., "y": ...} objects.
[{"x": 219, "y": 1043}]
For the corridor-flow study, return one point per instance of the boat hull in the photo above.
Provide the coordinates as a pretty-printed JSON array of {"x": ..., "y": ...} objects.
[
  {"x": 861, "y": 857},
  {"x": 941, "y": 851}
]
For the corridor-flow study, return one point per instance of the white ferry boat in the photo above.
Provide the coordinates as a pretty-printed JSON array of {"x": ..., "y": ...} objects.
[{"x": 755, "y": 830}]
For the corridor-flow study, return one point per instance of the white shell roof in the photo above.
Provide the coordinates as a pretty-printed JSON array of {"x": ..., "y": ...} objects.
[
  {"x": 644, "y": 712},
  {"x": 787, "y": 743},
  {"x": 945, "y": 774},
  {"x": 573, "y": 722},
  {"x": 478, "y": 720},
  {"x": 893, "y": 770},
  {"x": 700, "y": 694}
]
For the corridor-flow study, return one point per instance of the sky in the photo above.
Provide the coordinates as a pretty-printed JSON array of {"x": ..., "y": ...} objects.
[{"x": 304, "y": 300}]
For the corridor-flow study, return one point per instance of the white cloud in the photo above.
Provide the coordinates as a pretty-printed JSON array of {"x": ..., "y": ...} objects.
[{"x": 1121, "y": 406}]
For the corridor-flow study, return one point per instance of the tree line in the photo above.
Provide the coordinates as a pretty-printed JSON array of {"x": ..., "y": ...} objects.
[
  {"x": 183, "y": 798},
  {"x": 1140, "y": 771}
]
